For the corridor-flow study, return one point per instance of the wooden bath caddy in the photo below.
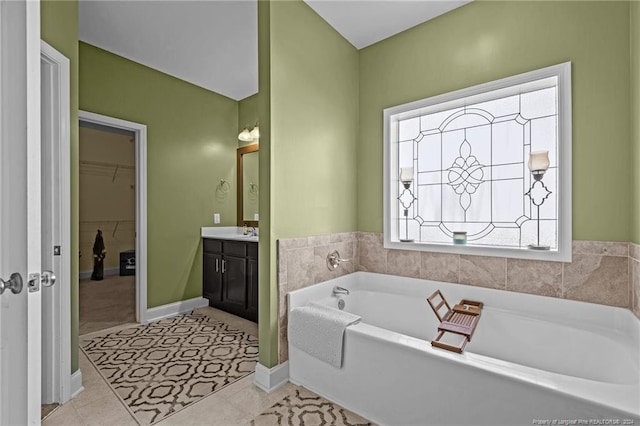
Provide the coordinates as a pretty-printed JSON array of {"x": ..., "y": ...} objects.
[{"x": 461, "y": 320}]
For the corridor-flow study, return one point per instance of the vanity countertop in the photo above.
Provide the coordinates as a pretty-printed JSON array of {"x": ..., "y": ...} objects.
[{"x": 226, "y": 233}]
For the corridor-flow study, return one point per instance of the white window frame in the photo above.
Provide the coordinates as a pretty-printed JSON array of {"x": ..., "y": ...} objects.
[{"x": 563, "y": 252}]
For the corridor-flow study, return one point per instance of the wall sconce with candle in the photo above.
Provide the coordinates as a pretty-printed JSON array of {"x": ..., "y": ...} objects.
[
  {"x": 538, "y": 165},
  {"x": 406, "y": 198}
]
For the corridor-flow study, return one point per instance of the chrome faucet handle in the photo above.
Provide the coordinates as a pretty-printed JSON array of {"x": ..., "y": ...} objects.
[{"x": 334, "y": 260}]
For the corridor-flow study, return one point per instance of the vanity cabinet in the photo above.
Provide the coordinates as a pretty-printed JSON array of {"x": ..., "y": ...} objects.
[{"x": 230, "y": 276}]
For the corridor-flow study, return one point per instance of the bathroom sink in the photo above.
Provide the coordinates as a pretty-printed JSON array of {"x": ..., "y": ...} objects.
[{"x": 227, "y": 233}]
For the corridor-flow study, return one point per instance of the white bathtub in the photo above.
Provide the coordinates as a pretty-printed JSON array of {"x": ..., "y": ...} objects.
[{"x": 532, "y": 358}]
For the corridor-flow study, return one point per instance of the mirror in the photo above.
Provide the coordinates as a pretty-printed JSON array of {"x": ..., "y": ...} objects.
[{"x": 248, "y": 185}]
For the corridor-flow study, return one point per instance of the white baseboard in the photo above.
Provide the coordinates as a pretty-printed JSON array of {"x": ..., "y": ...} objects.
[
  {"x": 108, "y": 271},
  {"x": 177, "y": 308},
  {"x": 76, "y": 383},
  {"x": 269, "y": 379}
]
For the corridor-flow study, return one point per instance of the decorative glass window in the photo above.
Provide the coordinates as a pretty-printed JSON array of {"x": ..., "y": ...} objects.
[{"x": 484, "y": 170}]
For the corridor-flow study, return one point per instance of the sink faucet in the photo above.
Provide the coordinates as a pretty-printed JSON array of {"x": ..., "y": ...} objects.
[
  {"x": 253, "y": 231},
  {"x": 339, "y": 290}
]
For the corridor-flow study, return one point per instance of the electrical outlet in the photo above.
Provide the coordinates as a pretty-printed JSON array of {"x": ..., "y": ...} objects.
[{"x": 216, "y": 218}]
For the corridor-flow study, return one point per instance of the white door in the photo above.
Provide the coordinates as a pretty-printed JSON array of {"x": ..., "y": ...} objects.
[{"x": 20, "y": 205}]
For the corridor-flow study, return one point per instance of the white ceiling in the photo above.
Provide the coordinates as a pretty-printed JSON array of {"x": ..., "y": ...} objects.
[
  {"x": 214, "y": 44},
  {"x": 365, "y": 22}
]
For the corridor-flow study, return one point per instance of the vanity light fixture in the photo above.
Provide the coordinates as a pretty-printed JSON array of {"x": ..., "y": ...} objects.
[
  {"x": 538, "y": 165},
  {"x": 248, "y": 136}
]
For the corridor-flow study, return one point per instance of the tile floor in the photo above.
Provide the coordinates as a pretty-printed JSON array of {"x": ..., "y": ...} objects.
[{"x": 240, "y": 403}]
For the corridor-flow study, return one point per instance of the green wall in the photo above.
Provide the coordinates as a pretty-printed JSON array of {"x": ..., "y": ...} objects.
[
  {"x": 314, "y": 116},
  {"x": 309, "y": 98},
  {"x": 59, "y": 28},
  {"x": 191, "y": 145},
  {"x": 635, "y": 120},
  {"x": 485, "y": 41}
]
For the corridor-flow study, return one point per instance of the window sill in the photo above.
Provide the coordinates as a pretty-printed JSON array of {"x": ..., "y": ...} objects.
[{"x": 560, "y": 255}]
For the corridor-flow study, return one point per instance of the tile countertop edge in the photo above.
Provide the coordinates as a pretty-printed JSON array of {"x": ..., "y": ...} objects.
[{"x": 226, "y": 233}]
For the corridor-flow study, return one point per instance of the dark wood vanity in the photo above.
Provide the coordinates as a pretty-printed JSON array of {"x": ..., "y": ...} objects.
[{"x": 230, "y": 276}]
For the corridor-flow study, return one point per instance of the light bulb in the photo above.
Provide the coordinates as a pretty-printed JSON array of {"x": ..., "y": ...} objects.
[
  {"x": 244, "y": 135},
  {"x": 255, "y": 133}
]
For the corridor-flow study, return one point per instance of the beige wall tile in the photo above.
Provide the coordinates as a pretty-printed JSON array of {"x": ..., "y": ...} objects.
[
  {"x": 534, "y": 277},
  {"x": 601, "y": 271},
  {"x": 635, "y": 285},
  {"x": 283, "y": 343},
  {"x": 405, "y": 263},
  {"x": 343, "y": 237},
  {"x": 300, "y": 268},
  {"x": 439, "y": 266},
  {"x": 282, "y": 301},
  {"x": 282, "y": 267},
  {"x": 605, "y": 248},
  {"x": 634, "y": 251},
  {"x": 373, "y": 256},
  {"x": 292, "y": 243},
  {"x": 483, "y": 271},
  {"x": 318, "y": 240},
  {"x": 597, "y": 279}
]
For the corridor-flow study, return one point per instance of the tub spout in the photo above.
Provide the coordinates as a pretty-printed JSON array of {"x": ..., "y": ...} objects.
[{"x": 339, "y": 290}]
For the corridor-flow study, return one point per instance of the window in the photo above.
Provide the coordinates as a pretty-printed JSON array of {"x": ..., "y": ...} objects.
[{"x": 457, "y": 167}]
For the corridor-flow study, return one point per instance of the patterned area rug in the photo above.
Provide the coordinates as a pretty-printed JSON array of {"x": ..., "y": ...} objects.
[
  {"x": 305, "y": 408},
  {"x": 161, "y": 368}
]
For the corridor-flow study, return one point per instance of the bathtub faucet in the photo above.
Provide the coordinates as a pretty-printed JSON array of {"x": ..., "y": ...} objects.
[{"x": 339, "y": 290}]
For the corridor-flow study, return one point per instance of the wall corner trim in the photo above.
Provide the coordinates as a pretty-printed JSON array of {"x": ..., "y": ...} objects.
[
  {"x": 76, "y": 384},
  {"x": 270, "y": 379},
  {"x": 176, "y": 308}
]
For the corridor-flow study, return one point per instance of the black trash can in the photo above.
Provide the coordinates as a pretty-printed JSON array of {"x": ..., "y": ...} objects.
[{"x": 128, "y": 262}]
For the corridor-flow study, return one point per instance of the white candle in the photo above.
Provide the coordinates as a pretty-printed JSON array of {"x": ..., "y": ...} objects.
[
  {"x": 406, "y": 174},
  {"x": 539, "y": 160}
]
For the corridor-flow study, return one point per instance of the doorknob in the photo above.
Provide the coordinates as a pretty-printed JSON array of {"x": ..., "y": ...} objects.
[
  {"x": 47, "y": 278},
  {"x": 14, "y": 283}
]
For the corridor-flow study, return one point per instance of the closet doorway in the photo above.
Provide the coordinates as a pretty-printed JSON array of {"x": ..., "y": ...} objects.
[{"x": 112, "y": 285}]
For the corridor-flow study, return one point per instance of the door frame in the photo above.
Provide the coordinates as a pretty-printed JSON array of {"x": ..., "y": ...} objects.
[
  {"x": 56, "y": 308},
  {"x": 140, "y": 130}
]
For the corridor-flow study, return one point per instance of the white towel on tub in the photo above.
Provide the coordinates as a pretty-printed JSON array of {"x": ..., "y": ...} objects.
[{"x": 318, "y": 330}]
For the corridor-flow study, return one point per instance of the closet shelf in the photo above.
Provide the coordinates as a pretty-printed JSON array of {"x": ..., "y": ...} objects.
[{"x": 105, "y": 169}]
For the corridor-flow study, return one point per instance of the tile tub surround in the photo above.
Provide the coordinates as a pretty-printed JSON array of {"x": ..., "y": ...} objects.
[
  {"x": 303, "y": 262},
  {"x": 600, "y": 272},
  {"x": 634, "y": 272}
]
